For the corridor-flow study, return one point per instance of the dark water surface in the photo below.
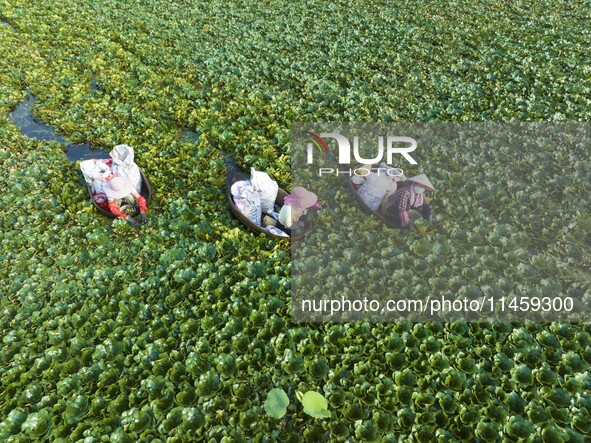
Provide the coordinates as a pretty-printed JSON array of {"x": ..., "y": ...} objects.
[
  {"x": 23, "y": 117},
  {"x": 189, "y": 136},
  {"x": 94, "y": 84},
  {"x": 5, "y": 23}
]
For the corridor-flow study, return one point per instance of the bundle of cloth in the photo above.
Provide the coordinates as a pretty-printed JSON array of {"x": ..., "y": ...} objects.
[{"x": 97, "y": 173}]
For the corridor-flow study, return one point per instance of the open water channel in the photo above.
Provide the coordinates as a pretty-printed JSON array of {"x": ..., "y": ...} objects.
[{"x": 22, "y": 116}]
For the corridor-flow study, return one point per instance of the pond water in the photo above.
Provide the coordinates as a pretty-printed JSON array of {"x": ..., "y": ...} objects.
[
  {"x": 23, "y": 117},
  {"x": 189, "y": 136},
  {"x": 94, "y": 85}
]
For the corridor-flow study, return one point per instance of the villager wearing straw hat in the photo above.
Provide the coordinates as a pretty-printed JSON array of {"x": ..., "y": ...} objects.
[
  {"x": 120, "y": 189},
  {"x": 409, "y": 203},
  {"x": 295, "y": 206}
]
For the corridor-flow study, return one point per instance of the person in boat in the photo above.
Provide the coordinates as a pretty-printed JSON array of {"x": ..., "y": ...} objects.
[
  {"x": 409, "y": 203},
  {"x": 295, "y": 206},
  {"x": 119, "y": 190}
]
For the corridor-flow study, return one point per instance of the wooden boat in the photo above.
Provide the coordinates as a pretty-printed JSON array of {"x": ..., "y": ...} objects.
[
  {"x": 366, "y": 209},
  {"x": 146, "y": 192},
  {"x": 232, "y": 176}
]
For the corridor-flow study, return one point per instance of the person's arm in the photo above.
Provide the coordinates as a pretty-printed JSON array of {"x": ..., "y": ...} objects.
[
  {"x": 116, "y": 210},
  {"x": 426, "y": 210},
  {"x": 141, "y": 201},
  {"x": 403, "y": 208}
]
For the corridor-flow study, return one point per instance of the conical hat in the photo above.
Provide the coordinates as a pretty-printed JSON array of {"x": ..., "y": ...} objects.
[{"x": 423, "y": 181}]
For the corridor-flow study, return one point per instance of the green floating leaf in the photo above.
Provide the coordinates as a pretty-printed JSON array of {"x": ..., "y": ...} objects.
[
  {"x": 37, "y": 424},
  {"x": 314, "y": 404},
  {"x": 193, "y": 418},
  {"x": 12, "y": 424},
  {"x": 76, "y": 409},
  {"x": 276, "y": 403}
]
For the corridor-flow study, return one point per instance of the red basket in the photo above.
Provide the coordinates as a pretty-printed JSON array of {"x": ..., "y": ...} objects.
[{"x": 101, "y": 200}]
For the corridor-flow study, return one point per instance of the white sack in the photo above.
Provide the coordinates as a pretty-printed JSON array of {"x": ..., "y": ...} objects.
[
  {"x": 374, "y": 189},
  {"x": 267, "y": 189},
  {"x": 247, "y": 200},
  {"x": 124, "y": 166},
  {"x": 394, "y": 179}
]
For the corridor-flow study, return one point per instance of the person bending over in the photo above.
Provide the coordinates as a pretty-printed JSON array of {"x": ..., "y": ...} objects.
[
  {"x": 119, "y": 190},
  {"x": 409, "y": 203}
]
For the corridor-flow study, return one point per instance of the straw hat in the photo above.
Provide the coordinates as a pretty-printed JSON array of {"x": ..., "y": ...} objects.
[
  {"x": 302, "y": 198},
  {"x": 422, "y": 181},
  {"x": 118, "y": 187}
]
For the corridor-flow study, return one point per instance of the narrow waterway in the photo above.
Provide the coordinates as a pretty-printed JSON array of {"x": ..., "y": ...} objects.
[{"x": 23, "y": 117}]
